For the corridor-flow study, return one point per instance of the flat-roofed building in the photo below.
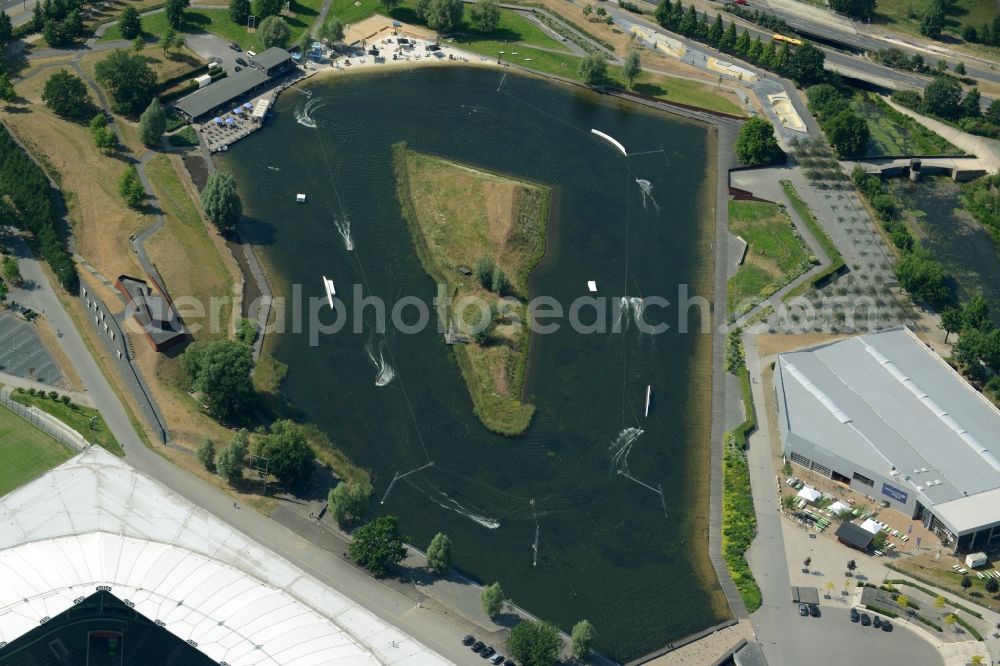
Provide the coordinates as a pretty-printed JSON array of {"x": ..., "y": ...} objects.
[{"x": 887, "y": 416}]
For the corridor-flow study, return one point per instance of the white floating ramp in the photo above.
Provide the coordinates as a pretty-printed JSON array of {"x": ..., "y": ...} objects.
[
  {"x": 592, "y": 285},
  {"x": 614, "y": 142},
  {"x": 331, "y": 291},
  {"x": 649, "y": 394},
  {"x": 300, "y": 198}
]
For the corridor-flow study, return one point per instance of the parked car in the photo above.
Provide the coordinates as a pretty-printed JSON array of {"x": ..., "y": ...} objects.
[
  {"x": 877, "y": 622},
  {"x": 469, "y": 639},
  {"x": 814, "y": 610},
  {"x": 477, "y": 646},
  {"x": 509, "y": 663},
  {"x": 234, "y": 46},
  {"x": 855, "y": 615},
  {"x": 486, "y": 651},
  {"x": 803, "y": 610},
  {"x": 496, "y": 659},
  {"x": 237, "y": 68},
  {"x": 887, "y": 626},
  {"x": 865, "y": 620},
  {"x": 241, "y": 61}
]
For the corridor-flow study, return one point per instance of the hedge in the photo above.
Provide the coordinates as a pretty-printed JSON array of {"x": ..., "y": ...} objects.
[
  {"x": 836, "y": 260},
  {"x": 924, "y": 620},
  {"x": 880, "y": 610},
  {"x": 174, "y": 80},
  {"x": 931, "y": 593}
]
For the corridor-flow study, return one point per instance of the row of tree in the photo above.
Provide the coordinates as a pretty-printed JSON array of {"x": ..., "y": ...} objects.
[
  {"x": 59, "y": 21},
  {"x": 977, "y": 350},
  {"x": 943, "y": 98},
  {"x": 846, "y": 131},
  {"x": 802, "y": 63},
  {"x": 26, "y": 187}
]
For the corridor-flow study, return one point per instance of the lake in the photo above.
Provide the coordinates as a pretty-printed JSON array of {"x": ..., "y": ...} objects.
[{"x": 609, "y": 550}]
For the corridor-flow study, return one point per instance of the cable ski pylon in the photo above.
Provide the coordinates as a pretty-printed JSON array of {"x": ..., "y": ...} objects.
[{"x": 397, "y": 476}]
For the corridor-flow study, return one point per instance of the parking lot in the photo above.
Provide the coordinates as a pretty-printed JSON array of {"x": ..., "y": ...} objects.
[{"x": 22, "y": 353}]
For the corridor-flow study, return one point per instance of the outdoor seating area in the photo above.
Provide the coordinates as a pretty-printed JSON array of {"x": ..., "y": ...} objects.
[{"x": 229, "y": 127}]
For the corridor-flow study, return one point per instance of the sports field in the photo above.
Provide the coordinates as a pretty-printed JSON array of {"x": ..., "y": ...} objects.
[{"x": 25, "y": 451}]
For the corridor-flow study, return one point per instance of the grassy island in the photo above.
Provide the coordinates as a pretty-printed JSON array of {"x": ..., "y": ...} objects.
[{"x": 479, "y": 234}]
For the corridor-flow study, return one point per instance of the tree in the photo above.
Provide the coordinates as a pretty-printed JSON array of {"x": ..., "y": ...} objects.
[
  {"x": 222, "y": 202},
  {"x": 992, "y": 586},
  {"x": 966, "y": 582},
  {"x": 499, "y": 284},
  {"x": 273, "y": 31},
  {"x": 939, "y": 602},
  {"x": 152, "y": 124},
  {"x": 716, "y": 31},
  {"x": 206, "y": 454},
  {"x": 976, "y": 314},
  {"x": 932, "y": 22},
  {"x": 923, "y": 277},
  {"x": 993, "y": 112},
  {"x": 971, "y": 104},
  {"x": 743, "y": 42},
  {"x": 593, "y": 68},
  {"x": 37, "y": 17},
  {"x": 104, "y": 138},
  {"x": 486, "y": 15},
  {"x": 442, "y": 15},
  {"x": 534, "y": 643},
  {"x": 67, "y": 96},
  {"x": 960, "y": 68},
  {"x": 332, "y": 31},
  {"x": 220, "y": 371},
  {"x": 805, "y": 64},
  {"x": 903, "y": 602},
  {"x": 289, "y": 456},
  {"x": 806, "y": 562},
  {"x": 632, "y": 68},
  {"x": 862, "y": 9},
  {"x": 7, "y": 92},
  {"x": 390, "y": 5},
  {"x": 129, "y": 23},
  {"x": 950, "y": 619},
  {"x": 943, "y": 97},
  {"x": 825, "y": 99},
  {"x": 6, "y": 29},
  {"x": 229, "y": 461},
  {"x": 264, "y": 8},
  {"x": 756, "y": 49},
  {"x": 951, "y": 321},
  {"x": 130, "y": 188},
  {"x": 978, "y": 351},
  {"x": 439, "y": 553},
  {"x": 174, "y": 10},
  {"x": 756, "y": 143},
  {"x": 728, "y": 40},
  {"x": 848, "y": 133},
  {"x": 851, "y": 565},
  {"x": 347, "y": 502},
  {"x": 377, "y": 545},
  {"x": 767, "y": 56},
  {"x": 129, "y": 79},
  {"x": 483, "y": 271},
  {"x": 582, "y": 637},
  {"x": 11, "y": 271},
  {"x": 168, "y": 40},
  {"x": 492, "y": 599},
  {"x": 239, "y": 11},
  {"x": 977, "y": 659}
]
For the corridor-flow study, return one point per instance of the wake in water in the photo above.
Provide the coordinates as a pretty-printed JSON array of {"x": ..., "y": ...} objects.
[
  {"x": 622, "y": 446},
  {"x": 343, "y": 225},
  {"x": 303, "y": 114},
  {"x": 385, "y": 373},
  {"x": 629, "y": 309},
  {"x": 647, "y": 193},
  {"x": 452, "y": 505}
]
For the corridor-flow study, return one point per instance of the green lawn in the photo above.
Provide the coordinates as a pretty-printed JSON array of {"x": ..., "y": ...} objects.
[
  {"x": 905, "y": 15},
  {"x": 26, "y": 451},
  {"x": 894, "y": 133},
  {"x": 217, "y": 21},
  {"x": 76, "y": 417},
  {"x": 186, "y": 137},
  {"x": 776, "y": 255}
]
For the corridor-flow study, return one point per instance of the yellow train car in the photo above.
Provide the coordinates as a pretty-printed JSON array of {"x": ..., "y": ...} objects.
[{"x": 788, "y": 40}]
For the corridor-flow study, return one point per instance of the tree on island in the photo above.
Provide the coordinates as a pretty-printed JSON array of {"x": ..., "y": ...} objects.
[
  {"x": 206, "y": 454},
  {"x": 347, "y": 502},
  {"x": 67, "y": 96},
  {"x": 220, "y": 371},
  {"x": 632, "y": 68},
  {"x": 129, "y": 23},
  {"x": 130, "y": 188},
  {"x": 229, "y": 461},
  {"x": 221, "y": 202},
  {"x": 593, "y": 69},
  {"x": 129, "y": 79},
  {"x": 239, "y": 11},
  {"x": 273, "y": 31},
  {"x": 535, "y": 643},
  {"x": 492, "y": 599},
  {"x": 152, "y": 124},
  {"x": 378, "y": 544},
  {"x": 486, "y": 15},
  {"x": 289, "y": 456},
  {"x": 756, "y": 143},
  {"x": 439, "y": 553},
  {"x": 582, "y": 637}
]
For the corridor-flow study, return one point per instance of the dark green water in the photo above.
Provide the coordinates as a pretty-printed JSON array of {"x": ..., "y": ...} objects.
[{"x": 606, "y": 551}]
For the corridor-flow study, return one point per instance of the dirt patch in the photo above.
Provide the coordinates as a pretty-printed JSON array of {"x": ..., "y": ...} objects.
[
  {"x": 51, "y": 343},
  {"x": 768, "y": 345}
]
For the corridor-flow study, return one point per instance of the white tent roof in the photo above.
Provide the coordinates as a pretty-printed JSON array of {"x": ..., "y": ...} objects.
[
  {"x": 838, "y": 506},
  {"x": 870, "y": 526},
  {"x": 809, "y": 494},
  {"x": 95, "y": 520}
]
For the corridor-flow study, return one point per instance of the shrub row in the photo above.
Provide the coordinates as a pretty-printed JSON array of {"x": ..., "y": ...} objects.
[
  {"x": 881, "y": 611},
  {"x": 931, "y": 593}
]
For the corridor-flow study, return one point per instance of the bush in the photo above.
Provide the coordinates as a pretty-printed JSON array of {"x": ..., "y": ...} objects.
[
  {"x": 483, "y": 271},
  {"x": 67, "y": 96},
  {"x": 593, "y": 68},
  {"x": 377, "y": 545}
]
